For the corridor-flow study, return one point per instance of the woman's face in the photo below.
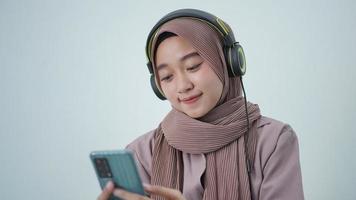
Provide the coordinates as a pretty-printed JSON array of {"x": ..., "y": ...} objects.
[{"x": 186, "y": 79}]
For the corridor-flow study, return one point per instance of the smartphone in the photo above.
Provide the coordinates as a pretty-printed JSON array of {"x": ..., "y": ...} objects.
[{"x": 119, "y": 167}]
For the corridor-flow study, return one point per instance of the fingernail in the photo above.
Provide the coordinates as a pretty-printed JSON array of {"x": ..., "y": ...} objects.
[
  {"x": 109, "y": 185},
  {"x": 147, "y": 186},
  {"x": 118, "y": 192}
]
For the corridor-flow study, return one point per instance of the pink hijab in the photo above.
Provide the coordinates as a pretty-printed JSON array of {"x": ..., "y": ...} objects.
[{"x": 220, "y": 135}]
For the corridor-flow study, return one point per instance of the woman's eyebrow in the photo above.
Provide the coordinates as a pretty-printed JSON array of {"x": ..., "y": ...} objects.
[
  {"x": 185, "y": 57},
  {"x": 161, "y": 66},
  {"x": 192, "y": 54}
]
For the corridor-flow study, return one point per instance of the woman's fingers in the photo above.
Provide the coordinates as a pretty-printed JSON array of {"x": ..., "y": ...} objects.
[
  {"x": 105, "y": 194},
  {"x": 168, "y": 193},
  {"x": 164, "y": 192},
  {"x": 128, "y": 195}
]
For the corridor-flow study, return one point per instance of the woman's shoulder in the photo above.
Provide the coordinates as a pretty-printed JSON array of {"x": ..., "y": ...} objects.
[
  {"x": 272, "y": 128},
  {"x": 143, "y": 143},
  {"x": 142, "y": 147},
  {"x": 271, "y": 134},
  {"x": 277, "y": 161}
]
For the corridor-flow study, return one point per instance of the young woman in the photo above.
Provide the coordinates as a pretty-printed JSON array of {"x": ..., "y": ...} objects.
[{"x": 212, "y": 144}]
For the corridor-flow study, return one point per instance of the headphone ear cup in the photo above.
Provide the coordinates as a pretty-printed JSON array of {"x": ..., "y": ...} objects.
[
  {"x": 237, "y": 60},
  {"x": 155, "y": 88}
]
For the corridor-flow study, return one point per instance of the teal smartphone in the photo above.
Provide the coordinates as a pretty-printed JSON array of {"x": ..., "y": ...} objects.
[{"x": 118, "y": 166}]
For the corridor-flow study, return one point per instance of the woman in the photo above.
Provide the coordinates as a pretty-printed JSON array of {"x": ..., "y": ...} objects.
[{"x": 212, "y": 144}]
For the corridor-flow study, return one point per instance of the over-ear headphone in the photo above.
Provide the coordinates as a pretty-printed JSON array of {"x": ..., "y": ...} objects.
[{"x": 233, "y": 52}]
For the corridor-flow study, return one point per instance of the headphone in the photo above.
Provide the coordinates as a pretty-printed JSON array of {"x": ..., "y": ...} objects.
[{"x": 233, "y": 52}]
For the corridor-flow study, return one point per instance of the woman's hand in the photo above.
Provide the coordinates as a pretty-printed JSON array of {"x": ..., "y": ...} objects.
[
  {"x": 107, "y": 191},
  {"x": 167, "y": 193}
]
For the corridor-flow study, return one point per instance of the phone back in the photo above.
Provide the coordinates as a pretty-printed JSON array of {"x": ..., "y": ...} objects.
[{"x": 118, "y": 166}]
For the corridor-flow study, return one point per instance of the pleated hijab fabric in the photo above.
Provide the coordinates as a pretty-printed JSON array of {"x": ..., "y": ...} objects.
[{"x": 220, "y": 135}]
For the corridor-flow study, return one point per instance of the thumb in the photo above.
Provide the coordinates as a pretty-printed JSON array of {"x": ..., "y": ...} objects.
[
  {"x": 107, "y": 191},
  {"x": 164, "y": 192}
]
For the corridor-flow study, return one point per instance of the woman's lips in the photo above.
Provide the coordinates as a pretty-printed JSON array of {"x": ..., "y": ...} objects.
[{"x": 191, "y": 100}]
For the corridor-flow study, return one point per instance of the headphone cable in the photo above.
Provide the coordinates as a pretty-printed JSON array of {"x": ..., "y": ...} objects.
[
  {"x": 248, "y": 127},
  {"x": 248, "y": 131}
]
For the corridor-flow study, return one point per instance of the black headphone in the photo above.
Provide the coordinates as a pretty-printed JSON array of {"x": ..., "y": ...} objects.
[{"x": 233, "y": 52}]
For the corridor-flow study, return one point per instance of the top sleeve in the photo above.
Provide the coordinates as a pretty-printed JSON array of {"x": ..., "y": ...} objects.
[
  {"x": 142, "y": 150},
  {"x": 282, "y": 177}
]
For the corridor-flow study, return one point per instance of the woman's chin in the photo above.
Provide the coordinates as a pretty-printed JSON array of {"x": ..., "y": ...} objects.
[{"x": 195, "y": 114}]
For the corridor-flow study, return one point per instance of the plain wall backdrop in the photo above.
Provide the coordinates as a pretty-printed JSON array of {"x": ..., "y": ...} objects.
[{"x": 73, "y": 79}]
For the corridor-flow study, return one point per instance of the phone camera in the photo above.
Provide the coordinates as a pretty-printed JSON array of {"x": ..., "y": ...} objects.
[{"x": 103, "y": 168}]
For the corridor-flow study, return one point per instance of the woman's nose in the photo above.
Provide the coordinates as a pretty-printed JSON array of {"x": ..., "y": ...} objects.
[{"x": 184, "y": 84}]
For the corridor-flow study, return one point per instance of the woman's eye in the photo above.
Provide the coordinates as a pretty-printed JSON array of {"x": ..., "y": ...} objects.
[
  {"x": 194, "y": 68},
  {"x": 166, "y": 78}
]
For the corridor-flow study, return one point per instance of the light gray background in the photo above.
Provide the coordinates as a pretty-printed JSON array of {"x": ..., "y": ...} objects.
[{"x": 73, "y": 79}]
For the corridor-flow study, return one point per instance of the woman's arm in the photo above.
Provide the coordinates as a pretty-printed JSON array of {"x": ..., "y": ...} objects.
[
  {"x": 282, "y": 177},
  {"x": 142, "y": 148}
]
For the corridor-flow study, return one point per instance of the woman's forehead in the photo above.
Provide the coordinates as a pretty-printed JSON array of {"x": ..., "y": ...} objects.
[{"x": 175, "y": 48}]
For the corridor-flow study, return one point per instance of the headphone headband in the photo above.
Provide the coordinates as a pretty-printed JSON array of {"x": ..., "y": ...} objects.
[
  {"x": 233, "y": 52},
  {"x": 215, "y": 22}
]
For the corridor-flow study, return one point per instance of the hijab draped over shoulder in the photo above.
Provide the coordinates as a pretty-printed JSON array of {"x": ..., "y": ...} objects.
[{"x": 220, "y": 135}]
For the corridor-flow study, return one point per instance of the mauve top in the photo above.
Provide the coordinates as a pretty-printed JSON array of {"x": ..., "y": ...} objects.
[{"x": 276, "y": 173}]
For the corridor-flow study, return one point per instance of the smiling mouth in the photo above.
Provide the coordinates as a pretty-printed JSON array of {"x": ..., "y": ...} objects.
[{"x": 191, "y": 100}]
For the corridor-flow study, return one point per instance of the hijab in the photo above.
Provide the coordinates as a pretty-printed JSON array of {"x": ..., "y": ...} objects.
[{"x": 221, "y": 135}]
